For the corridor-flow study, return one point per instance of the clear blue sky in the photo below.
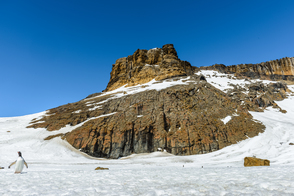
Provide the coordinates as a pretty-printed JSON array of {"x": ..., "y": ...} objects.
[{"x": 57, "y": 52}]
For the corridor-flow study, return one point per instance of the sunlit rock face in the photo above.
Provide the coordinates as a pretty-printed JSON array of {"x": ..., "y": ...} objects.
[
  {"x": 154, "y": 101},
  {"x": 145, "y": 65},
  {"x": 280, "y": 69}
]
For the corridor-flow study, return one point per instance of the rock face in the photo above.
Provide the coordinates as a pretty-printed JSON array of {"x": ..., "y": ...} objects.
[
  {"x": 184, "y": 118},
  {"x": 181, "y": 120},
  {"x": 253, "y": 161},
  {"x": 260, "y": 95},
  {"x": 145, "y": 65},
  {"x": 280, "y": 69}
]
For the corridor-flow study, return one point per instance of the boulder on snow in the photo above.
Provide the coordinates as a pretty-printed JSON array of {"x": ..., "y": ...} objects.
[
  {"x": 253, "y": 161},
  {"x": 101, "y": 168}
]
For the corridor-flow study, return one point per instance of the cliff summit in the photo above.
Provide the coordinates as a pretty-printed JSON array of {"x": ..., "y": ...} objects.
[{"x": 145, "y": 65}]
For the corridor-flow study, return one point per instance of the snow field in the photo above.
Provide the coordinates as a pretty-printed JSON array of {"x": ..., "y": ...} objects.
[{"x": 149, "y": 180}]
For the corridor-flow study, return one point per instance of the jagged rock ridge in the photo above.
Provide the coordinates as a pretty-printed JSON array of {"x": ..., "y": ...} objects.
[
  {"x": 280, "y": 69},
  {"x": 145, "y": 65},
  {"x": 184, "y": 118}
]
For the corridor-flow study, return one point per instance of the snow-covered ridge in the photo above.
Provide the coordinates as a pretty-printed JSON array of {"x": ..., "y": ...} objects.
[
  {"x": 223, "y": 82},
  {"x": 218, "y": 80},
  {"x": 124, "y": 91},
  {"x": 152, "y": 85}
]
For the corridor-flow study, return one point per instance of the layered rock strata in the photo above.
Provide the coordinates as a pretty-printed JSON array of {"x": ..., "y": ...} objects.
[
  {"x": 146, "y": 65},
  {"x": 280, "y": 69}
]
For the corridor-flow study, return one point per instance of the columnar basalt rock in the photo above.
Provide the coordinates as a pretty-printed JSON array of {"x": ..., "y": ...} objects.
[
  {"x": 146, "y": 65},
  {"x": 183, "y": 119}
]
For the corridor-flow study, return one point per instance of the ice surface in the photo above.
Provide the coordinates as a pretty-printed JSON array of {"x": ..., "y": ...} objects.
[{"x": 56, "y": 168}]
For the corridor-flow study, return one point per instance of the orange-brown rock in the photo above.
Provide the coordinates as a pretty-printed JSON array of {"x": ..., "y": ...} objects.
[
  {"x": 280, "y": 69},
  {"x": 183, "y": 119},
  {"x": 145, "y": 65},
  {"x": 53, "y": 136},
  {"x": 253, "y": 161},
  {"x": 101, "y": 168}
]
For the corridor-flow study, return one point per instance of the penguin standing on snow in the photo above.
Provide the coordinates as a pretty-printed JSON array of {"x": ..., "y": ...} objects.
[{"x": 19, "y": 164}]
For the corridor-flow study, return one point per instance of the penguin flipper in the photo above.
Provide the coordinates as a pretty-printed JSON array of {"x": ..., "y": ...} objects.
[
  {"x": 26, "y": 164},
  {"x": 11, "y": 164}
]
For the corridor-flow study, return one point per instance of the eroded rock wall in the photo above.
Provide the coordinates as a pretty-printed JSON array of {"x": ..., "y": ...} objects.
[
  {"x": 280, "y": 69},
  {"x": 184, "y": 119},
  {"x": 146, "y": 65}
]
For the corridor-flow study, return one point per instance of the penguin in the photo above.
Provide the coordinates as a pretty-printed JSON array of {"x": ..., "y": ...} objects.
[{"x": 19, "y": 164}]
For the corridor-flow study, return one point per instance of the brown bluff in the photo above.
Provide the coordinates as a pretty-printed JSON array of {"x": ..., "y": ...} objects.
[
  {"x": 145, "y": 65},
  {"x": 278, "y": 70},
  {"x": 184, "y": 118}
]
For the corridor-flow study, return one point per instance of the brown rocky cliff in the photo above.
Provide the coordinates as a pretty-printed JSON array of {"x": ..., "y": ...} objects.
[
  {"x": 280, "y": 69},
  {"x": 145, "y": 65},
  {"x": 183, "y": 119}
]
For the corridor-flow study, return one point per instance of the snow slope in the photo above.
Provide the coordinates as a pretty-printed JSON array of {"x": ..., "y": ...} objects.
[
  {"x": 224, "y": 81},
  {"x": 55, "y": 168}
]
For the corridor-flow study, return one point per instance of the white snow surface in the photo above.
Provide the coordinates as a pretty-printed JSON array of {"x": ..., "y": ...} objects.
[
  {"x": 226, "y": 119},
  {"x": 56, "y": 168},
  {"x": 151, "y": 85},
  {"x": 223, "y": 81}
]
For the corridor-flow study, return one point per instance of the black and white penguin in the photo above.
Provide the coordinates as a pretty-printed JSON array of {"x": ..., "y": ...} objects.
[{"x": 19, "y": 164}]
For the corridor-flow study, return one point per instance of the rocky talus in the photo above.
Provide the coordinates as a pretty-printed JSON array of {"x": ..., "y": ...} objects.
[
  {"x": 280, "y": 69},
  {"x": 185, "y": 118}
]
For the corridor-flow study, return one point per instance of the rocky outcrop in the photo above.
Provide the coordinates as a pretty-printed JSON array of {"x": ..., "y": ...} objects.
[
  {"x": 183, "y": 119},
  {"x": 253, "y": 161},
  {"x": 280, "y": 69},
  {"x": 260, "y": 95},
  {"x": 53, "y": 136},
  {"x": 146, "y": 65}
]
